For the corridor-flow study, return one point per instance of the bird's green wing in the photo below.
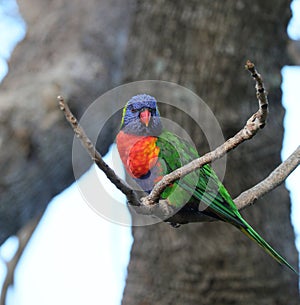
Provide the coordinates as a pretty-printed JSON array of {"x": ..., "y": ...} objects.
[{"x": 204, "y": 186}]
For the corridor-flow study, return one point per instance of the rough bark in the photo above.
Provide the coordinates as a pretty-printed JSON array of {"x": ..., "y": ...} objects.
[
  {"x": 203, "y": 45},
  {"x": 76, "y": 48},
  {"x": 72, "y": 48}
]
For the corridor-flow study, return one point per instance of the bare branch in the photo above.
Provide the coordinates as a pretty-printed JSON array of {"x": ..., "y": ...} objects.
[
  {"x": 261, "y": 115},
  {"x": 95, "y": 155},
  {"x": 272, "y": 181},
  {"x": 151, "y": 204},
  {"x": 276, "y": 177},
  {"x": 24, "y": 235},
  {"x": 254, "y": 123}
]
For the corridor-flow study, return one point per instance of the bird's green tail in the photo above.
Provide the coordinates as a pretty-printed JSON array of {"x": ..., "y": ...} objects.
[{"x": 252, "y": 234}]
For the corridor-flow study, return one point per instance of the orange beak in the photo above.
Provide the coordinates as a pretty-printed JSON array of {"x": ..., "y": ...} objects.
[{"x": 145, "y": 117}]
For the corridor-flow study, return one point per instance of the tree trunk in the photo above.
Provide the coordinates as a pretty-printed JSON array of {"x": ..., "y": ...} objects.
[
  {"x": 74, "y": 48},
  {"x": 203, "y": 45},
  {"x": 77, "y": 48}
]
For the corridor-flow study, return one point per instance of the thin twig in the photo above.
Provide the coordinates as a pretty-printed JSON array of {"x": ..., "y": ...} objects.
[
  {"x": 95, "y": 155},
  {"x": 24, "y": 235},
  {"x": 261, "y": 95},
  {"x": 254, "y": 123},
  {"x": 277, "y": 176}
]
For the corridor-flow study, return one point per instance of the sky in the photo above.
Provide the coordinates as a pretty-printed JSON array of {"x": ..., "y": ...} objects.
[
  {"x": 76, "y": 257},
  {"x": 291, "y": 102},
  {"x": 75, "y": 253},
  {"x": 12, "y": 30}
]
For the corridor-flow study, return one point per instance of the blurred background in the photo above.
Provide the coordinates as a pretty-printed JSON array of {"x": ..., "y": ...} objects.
[{"x": 81, "y": 50}]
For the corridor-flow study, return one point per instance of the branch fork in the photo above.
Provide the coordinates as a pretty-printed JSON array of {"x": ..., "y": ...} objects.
[{"x": 150, "y": 202}]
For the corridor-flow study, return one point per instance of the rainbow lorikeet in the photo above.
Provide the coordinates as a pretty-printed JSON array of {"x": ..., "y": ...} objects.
[{"x": 148, "y": 152}]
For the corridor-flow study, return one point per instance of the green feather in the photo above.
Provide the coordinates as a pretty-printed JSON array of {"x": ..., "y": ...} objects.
[{"x": 203, "y": 185}]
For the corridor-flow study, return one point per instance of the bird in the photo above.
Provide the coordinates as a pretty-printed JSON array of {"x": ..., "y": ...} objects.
[{"x": 148, "y": 152}]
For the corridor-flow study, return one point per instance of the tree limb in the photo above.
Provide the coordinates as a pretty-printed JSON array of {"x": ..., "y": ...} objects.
[
  {"x": 151, "y": 204},
  {"x": 95, "y": 155},
  {"x": 277, "y": 176},
  {"x": 248, "y": 197},
  {"x": 24, "y": 235},
  {"x": 254, "y": 123}
]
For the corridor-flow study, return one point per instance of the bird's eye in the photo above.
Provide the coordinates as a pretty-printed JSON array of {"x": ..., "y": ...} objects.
[{"x": 133, "y": 110}]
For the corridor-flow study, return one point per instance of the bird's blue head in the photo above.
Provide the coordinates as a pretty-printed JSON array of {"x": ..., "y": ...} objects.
[{"x": 141, "y": 116}]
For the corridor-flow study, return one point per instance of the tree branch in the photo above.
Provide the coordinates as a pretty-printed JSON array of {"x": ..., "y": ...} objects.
[
  {"x": 248, "y": 197},
  {"x": 151, "y": 204},
  {"x": 254, "y": 123},
  {"x": 95, "y": 155},
  {"x": 24, "y": 235},
  {"x": 276, "y": 177}
]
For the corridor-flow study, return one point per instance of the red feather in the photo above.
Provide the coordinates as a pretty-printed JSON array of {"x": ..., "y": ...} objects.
[{"x": 138, "y": 153}]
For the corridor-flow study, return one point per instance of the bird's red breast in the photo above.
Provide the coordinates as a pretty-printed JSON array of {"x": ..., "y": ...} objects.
[{"x": 138, "y": 153}]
